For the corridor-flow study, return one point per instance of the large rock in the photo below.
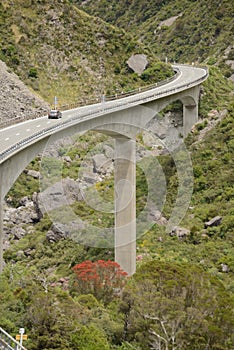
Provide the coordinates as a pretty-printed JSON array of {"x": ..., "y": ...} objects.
[
  {"x": 19, "y": 221},
  {"x": 65, "y": 192},
  {"x": 60, "y": 231},
  {"x": 157, "y": 217},
  {"x": 138, "y": 63},
  {"x": 180, "y": 232},
  {"x": 216, "y": 221},
  {"x": 35, "y": 174},
  {"x": 21, "y": 215},
  {"x": 102, "y": 164},
  {"x": 18, "y": 232}
]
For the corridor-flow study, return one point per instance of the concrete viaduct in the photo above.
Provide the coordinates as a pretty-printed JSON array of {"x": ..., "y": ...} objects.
[{"x": 122, "y": 118}]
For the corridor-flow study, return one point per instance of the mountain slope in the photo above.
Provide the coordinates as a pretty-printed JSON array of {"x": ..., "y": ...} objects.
[
  {"x": 16, "y": 100},
  {"x": 60, "y": 50},
  {"x": 183, "y": 31},
  {"x": 183, "y": 285}
]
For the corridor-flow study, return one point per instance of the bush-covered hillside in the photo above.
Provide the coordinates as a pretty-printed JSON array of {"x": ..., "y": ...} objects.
[
  {"x": 36, "y": 264},
  {"x": 70, "y": 295},
  {"x": 61, "y": 51},
  {"x": 181, "y": 30}
]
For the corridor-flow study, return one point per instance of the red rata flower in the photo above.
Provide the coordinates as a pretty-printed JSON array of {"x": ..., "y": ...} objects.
[{"x": 99, "y": 277}]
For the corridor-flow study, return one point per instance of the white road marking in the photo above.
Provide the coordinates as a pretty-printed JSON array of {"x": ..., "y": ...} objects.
[
  {"x": 28, "y": 130},
  {"x": 38, "y": 126},
  {"x": 8, "y": 138},
  {"x": 17, "y": 134}
]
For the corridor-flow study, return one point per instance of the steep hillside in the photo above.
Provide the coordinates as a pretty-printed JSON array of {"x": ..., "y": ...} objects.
[
  {"x": 58, "y": 281},
  {"x": 61, "y": 51},
  {"x": 183, "y": 31},
  {"x": 126, "y": 14},
  {"x": 16, "y": 100},
  {"x": 193, "y": 268}
]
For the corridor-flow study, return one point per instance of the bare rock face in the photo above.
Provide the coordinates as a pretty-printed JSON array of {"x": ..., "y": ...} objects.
[
  {"x": 138, "y": 63},
  {"x": 19, "y": 221},
  {"x": 102, "y": 164},
  {"x": 24, "y": 214},
  {"x": 59, "y": 194},
  {"x": 168, "y": 22},
  {"x": 180, "y": 232},
  {"x": 16, "y": 100}
]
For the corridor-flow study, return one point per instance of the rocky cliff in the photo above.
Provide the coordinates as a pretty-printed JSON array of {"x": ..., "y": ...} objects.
[{"x": 16, "y": 100}]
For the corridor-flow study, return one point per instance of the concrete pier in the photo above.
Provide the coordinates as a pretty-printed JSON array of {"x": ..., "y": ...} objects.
[{"x": 125, "y": 204}]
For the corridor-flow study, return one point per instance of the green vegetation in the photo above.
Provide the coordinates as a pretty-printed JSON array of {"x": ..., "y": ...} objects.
[
  {"x": 182, "y": 293},
  {"x": 165, "y": 270},
  {"x": 61, "y": 51},
  {"x": 202, "y": 31},
  {"x": 184, "y": 311}
]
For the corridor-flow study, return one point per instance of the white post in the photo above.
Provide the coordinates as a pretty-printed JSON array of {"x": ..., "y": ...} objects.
[
  {"x": 21, "y": 332},
  {"x": 55, "y": 102}
]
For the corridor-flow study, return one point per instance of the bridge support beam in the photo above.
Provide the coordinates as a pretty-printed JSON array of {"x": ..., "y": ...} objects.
[{"x": 125, "y": 204}]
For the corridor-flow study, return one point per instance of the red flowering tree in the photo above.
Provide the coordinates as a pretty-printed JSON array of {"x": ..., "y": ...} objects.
[{"x": 100, "y": 278}]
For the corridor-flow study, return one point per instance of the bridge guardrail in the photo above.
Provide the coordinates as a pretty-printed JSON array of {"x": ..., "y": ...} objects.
[
  {"x": 99, "y": 112},
  {"x": 7, "y": 342},
  {"x": 92, "y": 101}
]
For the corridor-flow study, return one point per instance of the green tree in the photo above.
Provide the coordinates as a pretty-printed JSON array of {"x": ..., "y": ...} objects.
[
  {"x": 177, "y": 306},
  {"x": 90, "y": 338}
]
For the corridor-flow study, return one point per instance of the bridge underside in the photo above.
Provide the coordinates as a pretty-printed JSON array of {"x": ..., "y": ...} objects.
[{"x": 123, "y": 126}]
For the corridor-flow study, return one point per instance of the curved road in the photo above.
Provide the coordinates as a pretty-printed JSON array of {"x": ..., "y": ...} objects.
[{"x": 15, "y": 136}]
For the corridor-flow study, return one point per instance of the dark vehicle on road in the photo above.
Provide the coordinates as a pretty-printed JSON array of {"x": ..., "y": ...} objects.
[{"x": 54, "y": 114}]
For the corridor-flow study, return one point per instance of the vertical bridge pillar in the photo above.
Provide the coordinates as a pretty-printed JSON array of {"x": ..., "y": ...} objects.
[
  {"x": 190, "y": 110},
  {"x": 125, "y": 204},
  {"x": 190, "y": 118}
]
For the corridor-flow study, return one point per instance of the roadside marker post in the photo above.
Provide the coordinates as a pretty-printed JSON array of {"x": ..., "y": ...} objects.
[
  {"x": 55, "y": 102},
  {"x": 20, "y": 337}
]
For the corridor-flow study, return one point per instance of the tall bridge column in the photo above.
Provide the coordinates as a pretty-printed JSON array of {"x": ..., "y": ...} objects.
[
  {"x": 125, "y": 204},
  {"x": 190, "y": 109},
  {"x": 190, "y": 117}
]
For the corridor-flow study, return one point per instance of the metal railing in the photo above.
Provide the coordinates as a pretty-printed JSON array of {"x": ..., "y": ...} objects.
[
  {"x": 7, "y": 342},
  {"x": 85, "y": 102},
  {"x": 104, "y": 109}
]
